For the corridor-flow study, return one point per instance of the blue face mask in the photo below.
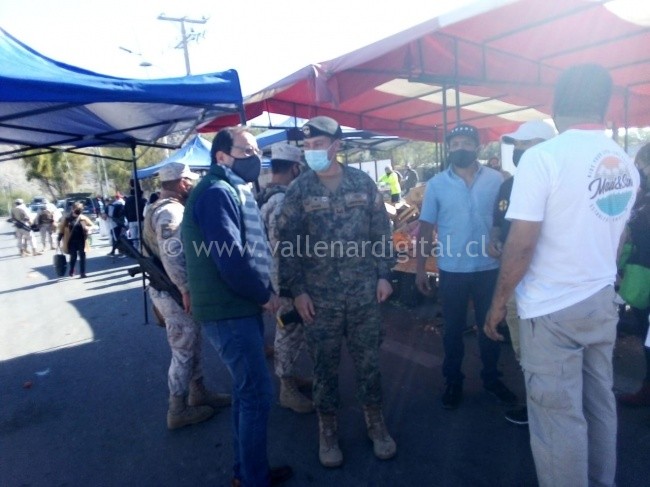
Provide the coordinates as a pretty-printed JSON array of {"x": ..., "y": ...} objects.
[{"x": 318, "y": 159}]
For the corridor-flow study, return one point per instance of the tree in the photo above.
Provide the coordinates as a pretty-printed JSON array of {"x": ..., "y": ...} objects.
[
  {"x": 57, "y": 173},
  {"x": 119, "y": 172}
]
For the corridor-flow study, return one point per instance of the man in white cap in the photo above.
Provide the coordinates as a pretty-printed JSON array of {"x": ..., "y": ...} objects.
[
  {"x": 289, "y": 334},
  {"x": 189, "y": 401},
  {"x": 526, "y": 136}
]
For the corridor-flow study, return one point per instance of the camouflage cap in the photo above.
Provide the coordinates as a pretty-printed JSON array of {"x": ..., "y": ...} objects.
[
  {"x": 322, "y": 126},
  {"x": 285, "y": 152},
  {"x": 173, "y": 171}
]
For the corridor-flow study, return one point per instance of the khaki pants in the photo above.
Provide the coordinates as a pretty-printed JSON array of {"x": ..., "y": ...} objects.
[
  {"x": 25, "y": 238},
  {"x": 47, "y": 230},
  {"x": 567, "y": 361},
  {"x": 512, "y": 319},
  {"x": 184, "y": 338}
]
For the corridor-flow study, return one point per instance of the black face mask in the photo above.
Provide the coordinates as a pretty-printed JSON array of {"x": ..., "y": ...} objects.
[
  {"x": 247, "y": 168},
  {"x": 516, "y": 156},
  {"x": 462, "y": 158}
]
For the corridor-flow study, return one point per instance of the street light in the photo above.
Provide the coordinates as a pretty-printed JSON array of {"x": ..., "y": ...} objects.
[{"x": 143, "y": 63}]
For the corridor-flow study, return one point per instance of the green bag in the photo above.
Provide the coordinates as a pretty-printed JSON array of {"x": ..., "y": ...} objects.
[
  {"x": 626, "y": 251},
  {"x": 635, "y": 286}
]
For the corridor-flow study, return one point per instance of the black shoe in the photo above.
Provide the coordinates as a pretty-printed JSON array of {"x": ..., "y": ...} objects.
[
  {"x": 83, "y": 276},
  {"x": 452, "y": 396},
  {"x": 279, "y": 475},
  {"x": 501, "y": 392},
  {"x": 518, "y": 416}
]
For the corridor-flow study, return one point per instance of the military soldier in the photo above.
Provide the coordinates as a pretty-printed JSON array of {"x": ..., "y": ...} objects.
[
  {"x": 23, "y": 224},
  {"x": 189, "y": 401},
  {"x": 289, "y": 334},
  {"x": 334, "y": 237}
]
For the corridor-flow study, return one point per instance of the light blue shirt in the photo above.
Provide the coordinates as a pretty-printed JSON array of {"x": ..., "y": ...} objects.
[{"x": 464, "y": 217}]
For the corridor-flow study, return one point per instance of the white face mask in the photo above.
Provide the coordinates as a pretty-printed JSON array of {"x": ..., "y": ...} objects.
[{"x": 318, "y": 160}]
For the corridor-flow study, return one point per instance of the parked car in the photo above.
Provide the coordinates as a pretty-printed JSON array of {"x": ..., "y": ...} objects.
[
  {"x": 38, "y": 203},
  {"x": 93, "y": 207}
]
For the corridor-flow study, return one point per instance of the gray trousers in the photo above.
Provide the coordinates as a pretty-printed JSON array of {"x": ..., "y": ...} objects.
[
  {"x": 512, "y": 319},
  {"x": 567, "y": 362}
]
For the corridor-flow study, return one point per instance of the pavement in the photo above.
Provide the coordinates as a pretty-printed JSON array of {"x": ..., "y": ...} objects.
[{"x": 83, "y": 397}]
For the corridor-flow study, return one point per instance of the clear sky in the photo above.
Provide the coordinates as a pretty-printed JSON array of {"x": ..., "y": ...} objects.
[{"x": 264, "y": 40}]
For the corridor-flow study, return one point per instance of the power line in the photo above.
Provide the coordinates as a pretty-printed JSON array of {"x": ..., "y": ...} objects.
[{"x": 192, "y": 36}]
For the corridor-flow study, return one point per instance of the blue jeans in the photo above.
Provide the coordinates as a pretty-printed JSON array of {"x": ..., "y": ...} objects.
[
  {"x": 456, "y": 288},
  {"x": 240, "y": 343}
]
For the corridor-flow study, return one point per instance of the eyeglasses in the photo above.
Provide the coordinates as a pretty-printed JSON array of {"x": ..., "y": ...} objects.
[{"x": 248, "y": 151}]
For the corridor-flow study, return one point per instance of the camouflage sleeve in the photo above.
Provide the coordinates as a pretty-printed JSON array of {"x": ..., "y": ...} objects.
[
  {"x": 167, "y": 224},
  {"x": 380, "y": 232},
  {"x": 270, "y": 213},
  {"x": 289, "y": 228}
]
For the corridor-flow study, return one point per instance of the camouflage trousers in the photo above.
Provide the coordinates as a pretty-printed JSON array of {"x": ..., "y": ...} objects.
[
  {"x": 289, "y": 342},
  {"x": 184, "y": 338},
  {"x": 361, "y": 327},
  {"x": 24, "y": 239},
  {"x": 47, "y": 231}
]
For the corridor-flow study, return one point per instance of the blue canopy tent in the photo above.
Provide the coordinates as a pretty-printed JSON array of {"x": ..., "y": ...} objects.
[
  {"x": 196, "y": 154},
  {"x": 48, "y": 106}
]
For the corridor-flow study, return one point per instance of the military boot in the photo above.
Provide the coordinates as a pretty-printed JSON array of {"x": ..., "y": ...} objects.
[
  {"x": 329, "y": 452},
  {"x": 291, "y": 398},
  {"x": 201, "y": 396},
  {"x": 180, "y": 414},
  {"x": 383, "y": 445}
]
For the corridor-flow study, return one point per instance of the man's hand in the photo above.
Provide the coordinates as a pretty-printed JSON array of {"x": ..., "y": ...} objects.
[
  {"x": 494, "y": 317},
  {"x": 187, "y": 303},
  {"x": 305, "y": 308},
  {"x": 272, "y": 305},
  {"x": 422, "y": 283},
  {"x": 384, "y": 290},
  {"x": 495, "y": 247}
]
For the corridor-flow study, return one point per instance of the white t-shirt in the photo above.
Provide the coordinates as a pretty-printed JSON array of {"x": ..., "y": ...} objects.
[{"x": 581, "y": 185}]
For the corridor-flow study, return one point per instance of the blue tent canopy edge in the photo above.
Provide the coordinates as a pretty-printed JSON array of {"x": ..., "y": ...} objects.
[{"x": 49, "y": 105}]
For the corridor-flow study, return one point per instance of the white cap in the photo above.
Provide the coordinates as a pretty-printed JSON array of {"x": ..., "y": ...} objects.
[
  {"x": 285, "y": 152},
  {"x": 173, "y": 171},
  {"x": 535, "y": 129}
]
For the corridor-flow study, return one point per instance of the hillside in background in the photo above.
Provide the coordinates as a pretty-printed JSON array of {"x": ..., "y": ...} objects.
[{"x": 14, "y": 184}]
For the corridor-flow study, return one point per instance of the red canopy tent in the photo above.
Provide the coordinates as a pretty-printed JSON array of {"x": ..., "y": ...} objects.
[{"x": 492, "y": 64}]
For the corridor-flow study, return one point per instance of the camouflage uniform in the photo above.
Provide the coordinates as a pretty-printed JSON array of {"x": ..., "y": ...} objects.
[
  {"x": 24, "y": 235},
  {"x": 290, "y": 339},
  {"x": 334, "y": 246},
  {"x": 161, "y": 230}
]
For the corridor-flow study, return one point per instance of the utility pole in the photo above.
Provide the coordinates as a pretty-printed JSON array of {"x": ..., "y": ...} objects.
[{"x": 192, "y": 36}]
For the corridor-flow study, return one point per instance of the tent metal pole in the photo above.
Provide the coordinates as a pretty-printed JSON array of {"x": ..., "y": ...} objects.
[
  {"x": 444, "y": 124},
  {"x": 136, "y": 185},
  {"x": 626, "y": 107},
  {"x": 457, "y": 95}
]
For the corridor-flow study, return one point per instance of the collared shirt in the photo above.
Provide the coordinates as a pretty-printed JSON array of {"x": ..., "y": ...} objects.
[{"x": 463, "y": 215}]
